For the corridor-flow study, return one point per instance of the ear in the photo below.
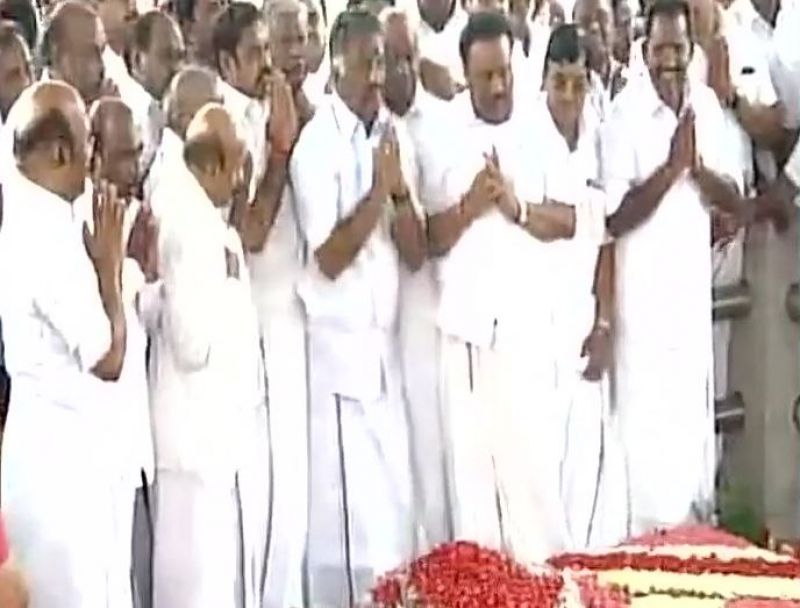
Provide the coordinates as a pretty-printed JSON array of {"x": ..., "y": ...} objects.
[{"x": 60, "y": 153}]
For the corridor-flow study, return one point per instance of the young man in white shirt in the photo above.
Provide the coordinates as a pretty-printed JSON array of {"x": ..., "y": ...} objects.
[
  {"x": 498, "y": 362},
  {"x": 351, "y": 197},
  {"x": 207, "y": 385},
  {"x": 65, "y": 327},
  {"x": 415, "y": 113},
  {"x": 664, "y": 169}
]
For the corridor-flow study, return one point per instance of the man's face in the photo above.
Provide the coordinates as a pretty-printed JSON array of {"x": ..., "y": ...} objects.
[
  {"x": 566, "y": 85},
  {"x": 116, "y": 15},
  {"x": 119, "y": 152},
  {"x": 315, "y": 45},
  {"x": 364, "y": 74},
  {"x": 435, "y": 12},
  {"x": 79, "y": 57},
  {"x": 15, "y": 74},
  {"x": 400, "y": 85},
  {"x": 623, "y": 32},
  {"x": 74, "y": 170},
  {"x": 668, "y": 53},
  {"x": 595, "y": 21},
  {"x": 490, "y": 79},
  {"x": 289, "y": 47},
  {"x": 163, "y": 59},
  {"x": 249, "y": 69}
]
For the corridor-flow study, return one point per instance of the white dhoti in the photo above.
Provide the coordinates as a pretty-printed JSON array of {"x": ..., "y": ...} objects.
[
  {"x": 360, "y": 493},
  {"x": 63, "y": 512},
  {"x": 728, "y": 268},
  {"x": 284, "y": 340},
  {"x": 197, "y": 557},
  {"x": 503, "y": 417},
  {"x": 666, "y": 409},
  {"x": 420, "y": 346}
]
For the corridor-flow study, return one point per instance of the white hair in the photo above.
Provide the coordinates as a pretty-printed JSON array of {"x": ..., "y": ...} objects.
[{"x": 279, "y": 8}]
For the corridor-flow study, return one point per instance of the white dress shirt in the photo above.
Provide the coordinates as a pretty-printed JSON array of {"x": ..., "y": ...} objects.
[
  {"x": 251, "y": 117},
  {"x": 331, "y": 172},
  {"x": 315, "y": 83},
  {"x": 207, "y": 375},
  {"x": 442, "y": 47},
  {"x": 650, "y": 274},
  {"x": 168, "y": 158},
  {"x": 481, "y": 291}
]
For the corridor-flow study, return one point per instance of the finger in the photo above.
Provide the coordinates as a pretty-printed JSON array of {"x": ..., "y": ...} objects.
[{"x": 495, "y": 157}]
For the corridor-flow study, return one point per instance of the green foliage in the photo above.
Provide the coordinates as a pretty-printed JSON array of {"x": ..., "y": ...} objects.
[{"x": 737, "y": 514}]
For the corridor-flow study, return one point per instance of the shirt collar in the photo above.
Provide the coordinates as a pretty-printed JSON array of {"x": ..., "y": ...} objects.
[
  {"x": 348, "y": 123},
  {"x": 649, "y": 99}
]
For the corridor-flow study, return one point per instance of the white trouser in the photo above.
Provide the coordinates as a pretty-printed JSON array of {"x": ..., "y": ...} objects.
[
  {"x": 728, "y": 265},
  {"x": 505, "y": 449},
  {"x": 197, "y": 557},
  {"x": 285, "y": 361},
  {"x": 421, "y": 376},
  {"x": 665, "y": 401},
  {"x": 360, "y": 514}
]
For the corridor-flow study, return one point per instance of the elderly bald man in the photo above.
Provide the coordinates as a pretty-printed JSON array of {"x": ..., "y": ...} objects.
[
  {"x": 190, "y": 89},
  {"x": 207, "y": 382},
  {"x": 114, "y": 158},
  {"x": 65, "y": 328}
]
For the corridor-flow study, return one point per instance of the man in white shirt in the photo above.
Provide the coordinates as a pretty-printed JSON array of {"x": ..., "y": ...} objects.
[
  {"x": 242, "y": 60},
  {"x": 65, "y": 327},
  {"x": 207, "y": 383},
  {"x": 498, "y": 362},
  {"x": 114, "y": 158},
  {"x": 190, "y": 90},
  {"x": 157, "y": 53},
  {"x": 415, "y": 111},
  {"x": 663, "y": 169},
  {"x": 351, "y": 194},
  {"x": 15, "y": 68},
  {"x": 72, "y": 50},
  {"x": 440, "y": 26}
]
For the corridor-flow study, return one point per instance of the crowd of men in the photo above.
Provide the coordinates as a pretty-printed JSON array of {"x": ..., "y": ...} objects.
[{"x": 289, "y": 297}]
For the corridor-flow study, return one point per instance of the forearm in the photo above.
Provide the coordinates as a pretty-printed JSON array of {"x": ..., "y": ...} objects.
[
  {"x": 764, "y": 124},
  {"x": 349, "y": 236},
  {"x": 259, "y": 218},
  {"x": 109, "y": 367},
  {"x": 446, "y": 228},
  {"x": 604, "y": 285},
  {"x": 550, "y": 221},
  {"x": 722, "y": 193},
  {"x": 409, "y": 236},
  {"x": 641, "y": 201}
]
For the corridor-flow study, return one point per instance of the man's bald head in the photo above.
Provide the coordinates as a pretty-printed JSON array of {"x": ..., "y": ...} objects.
[
  {"x": 72, "y": 47},
  {"x": 51, "y": 136},
  {"x": 116, "y": 145},
  {"x": 190, "y": 89},
  {"x": 215, "y": 151}
]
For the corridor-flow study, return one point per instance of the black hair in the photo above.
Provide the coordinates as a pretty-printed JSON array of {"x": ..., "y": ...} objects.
[
  {"x": 23, "y": 13},
  {"x": 349, "y": 25},
  {"x": 483, "y": 26},
  {"x": 668, "y": 8},
  {"x": 566, "y": 45},
  {"x": 229, "y": 26},
  {"x": 51, "y": 127}
]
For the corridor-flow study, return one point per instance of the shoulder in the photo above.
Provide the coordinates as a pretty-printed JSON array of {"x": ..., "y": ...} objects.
[
  {"x": 705, "y": 102},
  {"x": 315, "y": 137}
]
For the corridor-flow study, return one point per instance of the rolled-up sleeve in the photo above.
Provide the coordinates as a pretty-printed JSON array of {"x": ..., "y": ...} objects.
[
  {"x": 315, "y": 188},
  {"x": 189, "y": 295}
]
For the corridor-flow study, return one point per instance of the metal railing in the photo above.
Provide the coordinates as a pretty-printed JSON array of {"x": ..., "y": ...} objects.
[{"x": 731, "y": 302}]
